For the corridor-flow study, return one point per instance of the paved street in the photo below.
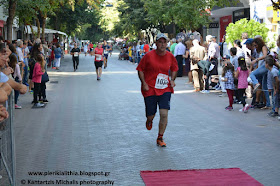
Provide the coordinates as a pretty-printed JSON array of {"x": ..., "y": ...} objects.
[{"x": 98, "y": 126}]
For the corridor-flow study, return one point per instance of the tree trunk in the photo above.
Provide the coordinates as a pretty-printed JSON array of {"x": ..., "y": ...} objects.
[
  {"x": 10, "y": 19},
  {"x": 174, "y": 29},
  {"x": 38, "y": 27},
  {"x": 43, "y": 28},
  {"x": 32, "y": 31}
]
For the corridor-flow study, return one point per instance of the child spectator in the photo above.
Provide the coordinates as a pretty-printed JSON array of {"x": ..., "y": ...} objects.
[
  {"x": 39, "y": 70},
  {"x": 234, "y": 58},
  {"x": 273, "y": 84},
  {"x": 16, "y": 75},
  {"x": 242, "y": 74},
  {"x": 227, "y": 77}
]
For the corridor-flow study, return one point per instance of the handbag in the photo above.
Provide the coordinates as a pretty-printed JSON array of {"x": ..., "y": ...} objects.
[{"x": 45, "y": 77}]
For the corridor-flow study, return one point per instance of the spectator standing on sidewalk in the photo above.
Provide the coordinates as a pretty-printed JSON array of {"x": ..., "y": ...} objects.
[
  {"x": 153, "y": 72},
  {"x": 25, "y": 68},
  {"x": 57, "y": 56},
  {"x": 273, "y": 83},
  {"x": 197, "y": 53},
  {"x": 180, "y": 50},
  {"x": 38, "y": 71},
  {"x": 227, "y": 77},
  {"x": 213, "y": 53},
  {"x": 188, "y": 61},
  {"x": 238, "y": 46},
  {"x": 172, "y": 47},
  {"x": 242, "y": 74}
]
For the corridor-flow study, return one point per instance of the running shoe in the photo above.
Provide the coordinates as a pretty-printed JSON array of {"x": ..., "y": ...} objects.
[
  {"x": 45, "y": 101},
  {"x": 149, "y": 125},
  {"x": 160, "y": 142},
  {"x": 229, "y": 108},
  {"x": 17, "y": 106}
]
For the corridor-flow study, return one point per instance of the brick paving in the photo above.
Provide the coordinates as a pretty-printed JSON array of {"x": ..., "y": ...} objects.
[{"x": 97, "y": 126}]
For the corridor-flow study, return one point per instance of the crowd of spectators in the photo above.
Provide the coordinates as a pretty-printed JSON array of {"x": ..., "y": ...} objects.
[
  {"x": 249, "y": 68},
  {"x": 24, "y": 64}
]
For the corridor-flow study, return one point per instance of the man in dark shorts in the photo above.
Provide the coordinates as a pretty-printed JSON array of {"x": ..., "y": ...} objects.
[
  {"x": 98, "y": 61},
  {"x": 106, "y": 49},
  {"x": 156, "y": 86},
  {"x": 75, "y": 52}
]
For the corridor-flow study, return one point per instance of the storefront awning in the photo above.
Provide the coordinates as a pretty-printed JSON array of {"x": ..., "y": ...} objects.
[{"x": 47, "y": 30}]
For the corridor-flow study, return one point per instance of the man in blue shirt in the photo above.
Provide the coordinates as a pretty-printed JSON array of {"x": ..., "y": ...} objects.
[{"x": 180, "y": 50}]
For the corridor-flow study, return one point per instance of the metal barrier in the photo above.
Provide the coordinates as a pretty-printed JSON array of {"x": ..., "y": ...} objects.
[{"x": 7, "y": 146}]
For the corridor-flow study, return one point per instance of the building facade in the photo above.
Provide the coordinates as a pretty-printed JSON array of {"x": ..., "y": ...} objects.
[{"x": 222, "y": 17}]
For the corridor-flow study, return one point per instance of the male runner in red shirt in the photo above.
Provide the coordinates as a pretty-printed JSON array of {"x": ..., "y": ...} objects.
[{"x": 156, "y": 86}]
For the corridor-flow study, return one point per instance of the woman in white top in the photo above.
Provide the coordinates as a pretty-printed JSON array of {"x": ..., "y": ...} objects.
[
  {"x": 261, "y": 71},
  {"x": 237, "y": 45}
]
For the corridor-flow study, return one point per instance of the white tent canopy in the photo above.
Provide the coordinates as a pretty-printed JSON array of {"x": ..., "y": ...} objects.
[{"x": 47, "y": 30}]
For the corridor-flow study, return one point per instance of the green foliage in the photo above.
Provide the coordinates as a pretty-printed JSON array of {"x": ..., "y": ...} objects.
[
  {"x": 272, "y": 42},
  {"x": 253, "y": 28},
  {"x": 137, "y": 15},
  {"x": 188, "y": 14},
  {"x": 133, "y": 18},
  {"x": 83, "y": 20}
]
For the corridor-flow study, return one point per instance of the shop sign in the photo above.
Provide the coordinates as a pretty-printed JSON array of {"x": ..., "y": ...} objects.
[{"x": 214, "y": 25}]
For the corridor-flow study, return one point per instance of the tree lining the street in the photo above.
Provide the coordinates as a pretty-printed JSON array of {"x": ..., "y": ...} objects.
[
  {"x": 30, "y": 12},
  {"x": 146, "y": 14}
]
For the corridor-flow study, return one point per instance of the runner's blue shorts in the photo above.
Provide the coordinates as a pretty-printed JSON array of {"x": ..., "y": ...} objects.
[{"x": 151, "y": 102}]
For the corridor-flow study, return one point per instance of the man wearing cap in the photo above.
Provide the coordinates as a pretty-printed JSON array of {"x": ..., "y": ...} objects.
[
  {"x": 156, "y": 87},
  {"x": 252, "y": 53}
]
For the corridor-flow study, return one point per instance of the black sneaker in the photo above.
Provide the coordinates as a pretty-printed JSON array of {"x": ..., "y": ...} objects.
[
  {"x": 274, "y": 114},
  {"x": 45, "y": 101}
]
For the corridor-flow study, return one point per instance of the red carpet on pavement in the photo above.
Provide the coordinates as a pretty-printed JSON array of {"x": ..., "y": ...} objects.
[{"x": 201, "y": 177}]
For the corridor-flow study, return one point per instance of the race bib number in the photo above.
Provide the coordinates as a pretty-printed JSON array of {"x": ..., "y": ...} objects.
[
  {"x": 105, "y": 52},
  {"x": 98, "y": 58},
  {"x": 162, "y": 81},
  {"x": 76, "y": 54}
]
